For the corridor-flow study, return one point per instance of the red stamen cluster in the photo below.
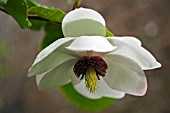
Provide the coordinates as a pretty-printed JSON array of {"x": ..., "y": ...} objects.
[{"x": 95, "y": 62}]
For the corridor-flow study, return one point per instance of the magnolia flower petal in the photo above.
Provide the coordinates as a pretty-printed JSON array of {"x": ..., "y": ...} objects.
[
  {"x": 103, "y": 90},
  {"x": 91, "y": 44},
  {"x": 83, "y": 22},
  {"x": 125, "y": 75},
  {"x": 74, "y": 79},
  {"x": 51, "y": 56},
  {"x": 81, "y": 13},
  {"x": 131, "y": 47},
  {"x": 56, "y": 77}
]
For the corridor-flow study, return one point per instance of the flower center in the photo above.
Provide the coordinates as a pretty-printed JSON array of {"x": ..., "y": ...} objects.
[{"x": 90, "y": 67}]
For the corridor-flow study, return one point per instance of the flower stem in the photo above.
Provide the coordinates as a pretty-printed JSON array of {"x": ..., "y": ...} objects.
[{"x": 76, "y": 4}]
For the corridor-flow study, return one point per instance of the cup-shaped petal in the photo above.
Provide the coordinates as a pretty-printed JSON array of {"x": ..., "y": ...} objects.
[
  {"x": 91, "y": 44},
  {"x": 56, "y": 77},
  {"x": 125, "y": 75},
  {"x": 52, "y": 56},
  {"x": 103, "y": 90},
  {"x": 83, "y": 22},
  {"x": 131, "y": 47}
]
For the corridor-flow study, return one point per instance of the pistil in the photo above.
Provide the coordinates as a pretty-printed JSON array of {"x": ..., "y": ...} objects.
[{"x": 91, "y": 80}]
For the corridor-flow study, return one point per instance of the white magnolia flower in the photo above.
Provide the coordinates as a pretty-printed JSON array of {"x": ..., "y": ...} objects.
[{"x": 97, "y": 66}]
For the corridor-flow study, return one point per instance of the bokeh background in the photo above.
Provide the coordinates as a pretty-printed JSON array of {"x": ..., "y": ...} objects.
[{"x": 149, "y": 20}]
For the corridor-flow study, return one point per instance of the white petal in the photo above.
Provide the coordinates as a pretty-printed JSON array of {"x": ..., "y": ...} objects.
[
  {"x": 39, "y": 77},
  {"x": 91, "y": 43},
  {"x": 81, "y": 13},
  {"x": 103, "y": 90},
  {"x": 51, "y": 56},
  {"x": 124, "y": 75},
  {"x": 56, "y": 77},
  {"x": 74, "y": 79},
  {"x": 83, "y": 22},
  {"x": 131, "y": 47}
]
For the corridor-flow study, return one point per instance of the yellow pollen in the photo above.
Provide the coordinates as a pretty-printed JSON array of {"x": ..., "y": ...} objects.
[{"x": 91, "y": 80}]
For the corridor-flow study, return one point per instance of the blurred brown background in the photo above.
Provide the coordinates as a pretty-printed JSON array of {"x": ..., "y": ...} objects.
[{"x": 149, "y": 20}]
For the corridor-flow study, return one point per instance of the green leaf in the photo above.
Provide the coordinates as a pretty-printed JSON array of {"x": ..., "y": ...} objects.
[
  {"x": 53, "y": 32},
  {"x": 49, "y": 13},
  {"x": 37, "y": 25},
  {"x": 2, "y": 2},
  {"x": 83, "y": 102},
  {"x": 108, "y": 33},
  {"x": 18, "y": 10},
  {"x": 31, "y": 3}
]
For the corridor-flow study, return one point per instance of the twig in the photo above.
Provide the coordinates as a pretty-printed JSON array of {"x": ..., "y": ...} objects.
[{"x": 76, "y": 4}]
